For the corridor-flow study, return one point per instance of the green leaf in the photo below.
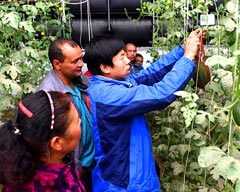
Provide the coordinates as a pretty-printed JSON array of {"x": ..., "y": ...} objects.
[
  {"x": 200, "y": 119},
  {"x": 11, "y": 70},
  {"x": 237, "y": 186},
  {"x": 229, "y": 168},
  {"x": 25, "y": 52},
  {"x": 11, "y": 85},
  {"x": 220, "y": 73},
  {"x": 162, "y": 147},
  {"x": 30, "y": 10},
  {"x": 227, "y": 81},
  {"x": 12, "y": 19},
  {"x": 231, "y": 7},
  {"x": 236, "y": 53},
  {"x": 8, "y": 102},
  {"x": 210, "y": 156},
  {"x": 176, "y": 104},
  {"x": 14, "y": 71},
  {"x": 28, "y": 88},
  {"x": 193, "y": 134},
  {"x": 182, "y": 94},
  {"x": 216, "y": 87},
  {"x": 177, "y": 168},
  {"x": 203, "y": 189},
  {"x": 16, "y": 89},
  {"x": 26, "y": 26},
  {"x": 167, "y": 130},
  {"x": 216, "y": 60},
  {"x": 182, "y": 148},
  {"x": 200, "y": 142},
  {"x": 229, "y": 24},
  {"x": 215, "y": 173}
]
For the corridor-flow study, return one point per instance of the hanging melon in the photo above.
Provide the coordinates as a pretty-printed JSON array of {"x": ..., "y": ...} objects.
[
  {"x": 236, "y": 112},
  {"x": 201, "y": 74}
]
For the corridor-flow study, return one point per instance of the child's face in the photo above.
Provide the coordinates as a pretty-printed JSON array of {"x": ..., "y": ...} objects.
[{"x": 139, "y": 59}]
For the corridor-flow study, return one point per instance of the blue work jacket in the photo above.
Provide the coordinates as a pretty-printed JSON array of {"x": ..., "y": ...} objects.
[{"x": 122, "y": 138}]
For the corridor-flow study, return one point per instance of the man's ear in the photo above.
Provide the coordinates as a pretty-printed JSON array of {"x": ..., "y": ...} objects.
[
  {"x": 105, "y": 69},
  {"x": 56, "y": 64},
  {"x": 56, "y": 143}
]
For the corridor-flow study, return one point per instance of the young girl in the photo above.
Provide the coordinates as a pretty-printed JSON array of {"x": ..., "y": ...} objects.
[{"x": 35, "y": 149}]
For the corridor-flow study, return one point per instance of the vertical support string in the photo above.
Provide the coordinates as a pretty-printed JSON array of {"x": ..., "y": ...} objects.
[
  {"x": 89, "y": 22},
  {"x": 109, "y": 15},
  {"x": 186, "y": 17},
  {"x": 90, "y": 32},
  {"x": 63, "y": 17}
]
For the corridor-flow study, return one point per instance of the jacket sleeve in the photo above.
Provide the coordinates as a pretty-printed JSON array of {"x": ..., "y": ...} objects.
[
  {"x": 116, "y": 101},
  {"x": 157, "y": 70}
]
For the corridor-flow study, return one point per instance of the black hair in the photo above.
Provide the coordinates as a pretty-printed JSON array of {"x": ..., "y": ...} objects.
[
  {"x": 139, "y": 55},
  {"x": 21, "y": 151},
  {"x": 130, "y": 43},
  {"x": 55, "y": 49},
  {"x": 101, "y": 50}
]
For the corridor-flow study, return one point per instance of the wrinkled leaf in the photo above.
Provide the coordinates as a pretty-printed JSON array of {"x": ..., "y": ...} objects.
[
  {"x": 30, "y": 9},
  {"x": 220, "y": 73},
  {"x": 215, "y": 87},
  {"x": 217, "y": 60},
  {"x": 229, "y": 24},
  {"x": 26, "y": 26},
  {"x": 177, "y": 168},
  {"x": 162, "y": 147},
  {"x": 193, "y": 134},
  {"x": 227, "y": 81},
  {"x": 200, "y": 119},
  {"x": 231, "y": 7},
  {"x": 229, "y": 168},
  {"x": 16, "y": 89},
  {"x": 237, "y": 187},
  {"x": 11, "y": 85},
  {"x": 167, "y": 130},
  {"x": 182, "y": 149},
  {"x": 14, "y": 71},
  {"x": 28, "y": 88},
  {"x": 203, "y": 189},
  {"x": 215, "y": 174},
  {"x": 182, "y": 94},
  {"x": 210, "y": 156},
  {"x": 12, "y": 19},
  {"x": 236, "y": 53}
]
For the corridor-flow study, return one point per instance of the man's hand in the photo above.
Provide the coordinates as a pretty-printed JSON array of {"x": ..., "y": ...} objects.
[{"x": 191, "y": 45}]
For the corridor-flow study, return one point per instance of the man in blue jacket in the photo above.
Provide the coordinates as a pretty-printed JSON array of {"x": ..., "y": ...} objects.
[{"x": 118, "y": 102}]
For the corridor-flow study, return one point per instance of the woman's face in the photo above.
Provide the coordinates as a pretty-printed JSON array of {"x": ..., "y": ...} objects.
[{"x": 73, "y": 132}]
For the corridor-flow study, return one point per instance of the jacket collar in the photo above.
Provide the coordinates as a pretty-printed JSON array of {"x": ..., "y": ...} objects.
[{"x": 109, "y": 80}]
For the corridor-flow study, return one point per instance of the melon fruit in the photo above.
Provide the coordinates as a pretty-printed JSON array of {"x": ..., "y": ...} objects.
[
  {"x": 236, "y": 112},
  {"x": 201, "y": 75}
]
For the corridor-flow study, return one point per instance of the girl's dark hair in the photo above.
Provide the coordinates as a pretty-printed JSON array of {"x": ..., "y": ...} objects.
[
  {"x": 21, "y": 152},
  {"x": 101, "y": 50}
]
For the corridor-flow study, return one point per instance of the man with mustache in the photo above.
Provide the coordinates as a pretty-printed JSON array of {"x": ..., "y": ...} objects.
[{"x": 66, "y": 58}]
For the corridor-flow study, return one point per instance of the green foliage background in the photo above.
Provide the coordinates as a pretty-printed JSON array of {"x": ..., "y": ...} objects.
[
  {"x": 195, "y": 139},
  {"x": 26, "y": 30}
]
